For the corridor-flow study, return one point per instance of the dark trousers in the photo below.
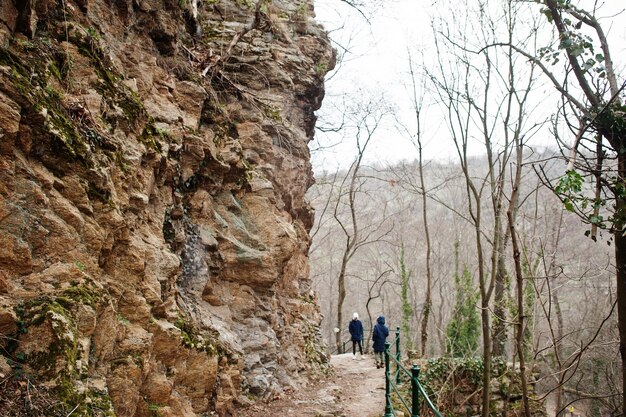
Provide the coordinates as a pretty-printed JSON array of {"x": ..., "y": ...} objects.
[{"x": 354, "y": 343}]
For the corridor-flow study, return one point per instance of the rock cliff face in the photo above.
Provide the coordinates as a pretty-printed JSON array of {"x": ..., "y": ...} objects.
[{"x": 153, "y": 227}]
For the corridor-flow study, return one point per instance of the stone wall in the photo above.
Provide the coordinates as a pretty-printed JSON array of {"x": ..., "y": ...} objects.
[{"x": 153, "y": 226}]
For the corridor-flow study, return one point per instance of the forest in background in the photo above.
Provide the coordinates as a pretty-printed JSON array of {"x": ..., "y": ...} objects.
[
  {"x": 569, "y": 283},
  {"x": 508, "y": 249}
]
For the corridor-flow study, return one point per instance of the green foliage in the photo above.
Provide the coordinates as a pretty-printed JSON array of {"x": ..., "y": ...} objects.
[
  {"x": 464, "y": 327},
  {"x": 154, "y": 409},
  {"x": 437, "y": 370},
  {"x": 321, "y": 68},
  {"x": 607, "y": 117},
  {"x": 570, "y": 189},
  {"x": 93, "y": 33},
  {"x": 610, "y": 120},
  {"x": 446, "y": 380},
  {"x": 79, "y": 265},
  {"x": 572, "y": 192},
  {"x": 570, "y": 184},
  {"x": 407, "y": 309},
  {"x": 575, "y": 43}
]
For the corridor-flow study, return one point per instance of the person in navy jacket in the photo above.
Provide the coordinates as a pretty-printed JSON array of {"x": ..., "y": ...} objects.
[
  {"x": 379, "y": 336},
  {"x": 356, "y": 333}
]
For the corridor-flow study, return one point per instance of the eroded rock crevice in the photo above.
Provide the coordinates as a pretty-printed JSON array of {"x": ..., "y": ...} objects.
[{"x": 153, "y": 226}]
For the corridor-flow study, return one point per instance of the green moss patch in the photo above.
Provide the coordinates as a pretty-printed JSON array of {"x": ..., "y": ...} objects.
[
  {"x": 151, "y": 135},
  {"x": 40, "y": 70},
  {"x": 55, "y": 316},
  {"x": 30, "y": 78},
  {"x": 111, "y": 88},
  {"x": 192, "y": 339}
]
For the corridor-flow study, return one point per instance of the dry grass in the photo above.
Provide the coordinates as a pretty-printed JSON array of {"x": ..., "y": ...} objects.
[{"x": 21, "y": 397}]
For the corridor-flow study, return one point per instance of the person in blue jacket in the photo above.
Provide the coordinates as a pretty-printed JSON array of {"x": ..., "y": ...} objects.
[
  {"x": 356, "y": 333},
  {"x": 379, "y": 336}
]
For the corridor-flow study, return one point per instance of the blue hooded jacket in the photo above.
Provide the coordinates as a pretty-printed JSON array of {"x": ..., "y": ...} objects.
[
  {"x": 356, "y": 330},
  {"x": 379, "y": 334}
]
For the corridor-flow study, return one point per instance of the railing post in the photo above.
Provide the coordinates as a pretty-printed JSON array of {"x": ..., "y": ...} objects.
[
  {"x": 415, "y": 391},
  {"x": 398, "y": 356},
  {"x": 387, "y": 383}
]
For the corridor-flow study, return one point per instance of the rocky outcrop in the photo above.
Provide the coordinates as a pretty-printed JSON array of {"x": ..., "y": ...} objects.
[{"x": 153, "y": 226}]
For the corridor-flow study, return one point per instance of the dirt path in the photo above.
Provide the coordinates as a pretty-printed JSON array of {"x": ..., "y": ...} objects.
[{"x": 355, "y": 389}]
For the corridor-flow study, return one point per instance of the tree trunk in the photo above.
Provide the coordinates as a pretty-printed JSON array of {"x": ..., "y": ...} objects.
[
  {"x": 519, "y": 278},
  {"x": 425, "y": 315},
  {"x": 519, "y": 334},
  {"x": 341, "y": 293},
  {"x": 620, "y": 266},
  {"x": 484, "y": 314},
  {"x": 499, "y": 313},
  {"x": 368, "y": 333},
  {"x": 428, "y": 297},
  {"x": 620, "y": 269},
  {"x": 557, "y": 347},
  {"x": 484, "y": 317}
]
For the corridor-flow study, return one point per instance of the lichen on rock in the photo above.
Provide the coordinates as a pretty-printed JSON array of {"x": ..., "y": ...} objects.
[{"x": 153, "y": 166}]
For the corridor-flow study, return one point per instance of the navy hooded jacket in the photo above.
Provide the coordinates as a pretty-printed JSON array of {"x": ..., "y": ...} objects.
[
  {"x": 379, "y": 334},
  {"x": 356, "y": 330}
]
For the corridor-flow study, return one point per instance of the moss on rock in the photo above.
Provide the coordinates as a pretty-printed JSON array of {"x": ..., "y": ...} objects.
[
  {"x": 48, "y": 349},
  {"x": 30, "y": 78},
  {"x": 193, "y": 339}
]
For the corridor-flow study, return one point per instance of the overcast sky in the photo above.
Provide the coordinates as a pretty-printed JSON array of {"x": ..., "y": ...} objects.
[{"x": 377, "y": 64}]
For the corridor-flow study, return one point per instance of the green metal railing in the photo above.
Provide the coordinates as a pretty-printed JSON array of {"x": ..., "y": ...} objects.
[
  {"x": 342, "y": 348},
  {"x": 393, "y": 381}
]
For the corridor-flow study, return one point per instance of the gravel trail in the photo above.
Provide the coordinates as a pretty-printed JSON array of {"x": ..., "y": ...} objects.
[{"x": 355, "y": 388}]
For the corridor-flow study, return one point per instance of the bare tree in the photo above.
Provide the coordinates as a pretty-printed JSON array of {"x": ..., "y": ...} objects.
[
  {"x": 367, "y": 119},
  {"x": 374, "y": 290},
  {"x": 417, "y": 89},
  {"x": 594, "y": 113},
  {"x": 486, "y": 100}
]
